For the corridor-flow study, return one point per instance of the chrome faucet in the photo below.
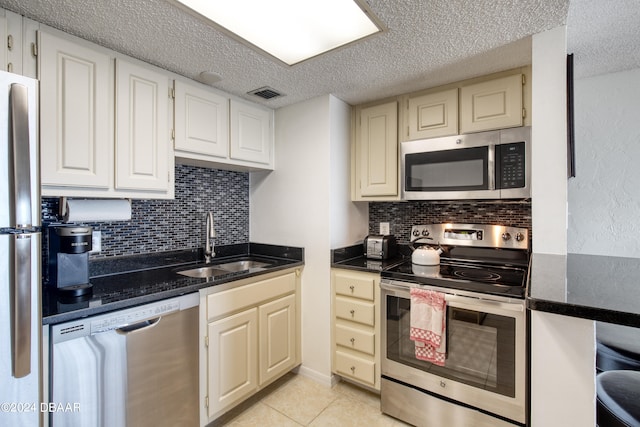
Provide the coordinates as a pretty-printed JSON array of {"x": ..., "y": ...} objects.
[{"x": 210, "y": 233}]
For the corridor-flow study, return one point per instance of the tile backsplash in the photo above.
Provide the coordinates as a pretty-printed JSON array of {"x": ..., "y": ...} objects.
[
  {"x": 402, "y": 215},
  {"x": 167, "y": 225}
]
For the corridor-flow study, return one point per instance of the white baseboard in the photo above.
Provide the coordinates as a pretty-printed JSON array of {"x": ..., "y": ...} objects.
[{"x": 326, "y": 380}]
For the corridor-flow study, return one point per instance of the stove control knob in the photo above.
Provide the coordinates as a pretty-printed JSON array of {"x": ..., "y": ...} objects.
[
  {"x": 425, "y": 233},
  {"x": 506, "y": 236},
  {"x": 416, "y": 232},
  {"x": 519, "y": 237}
]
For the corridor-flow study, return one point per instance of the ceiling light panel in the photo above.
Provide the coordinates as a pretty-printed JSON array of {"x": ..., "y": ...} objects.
[{"x": 290, "y": 30}]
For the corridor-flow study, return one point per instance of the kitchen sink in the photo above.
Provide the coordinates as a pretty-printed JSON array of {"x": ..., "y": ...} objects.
[
  {"x": 226, "y": 268},
  {"x": 244, "y": 265},
  {"x": 204, "y": 272}
]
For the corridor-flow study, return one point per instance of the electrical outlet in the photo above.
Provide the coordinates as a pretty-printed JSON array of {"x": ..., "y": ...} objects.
[
  {"x": 384, "y": 228},
  {"x": 96, "y": 242}
]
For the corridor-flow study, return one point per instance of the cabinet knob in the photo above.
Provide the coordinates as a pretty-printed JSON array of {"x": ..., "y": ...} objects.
[
  {"x": 353, "y": 369},
  {"x": 353, "y": 313},
  {"x": 352, "y": 288},
  {"x": 353, "y": 341}
]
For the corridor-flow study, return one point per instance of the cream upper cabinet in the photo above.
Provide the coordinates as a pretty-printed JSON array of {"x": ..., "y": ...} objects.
[
  {"x": 17, "y": 54},
  {"x": 104, "y": 128},
  {"x": 376, "y": 152},
  {"x": 251, "y": 133},
  {"x": 142, "y": 132},
  {"x": 76, "y": 120},
  {"x": 433, "y": 115},
  {"x": 201, "y": 122},
  {"x": 493, "y": 104}
]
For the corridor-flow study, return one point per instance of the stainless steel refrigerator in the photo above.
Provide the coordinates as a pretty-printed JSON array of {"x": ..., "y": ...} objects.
[{"x": 20, "y": 255}]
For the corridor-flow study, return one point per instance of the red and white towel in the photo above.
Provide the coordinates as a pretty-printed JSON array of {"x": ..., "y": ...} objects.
[{"x": 428, "y": 323}]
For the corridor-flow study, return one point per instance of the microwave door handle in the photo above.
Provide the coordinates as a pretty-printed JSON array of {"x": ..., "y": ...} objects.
[
  {"x": 19, "y": 135},
  {"x": 492, "y": 167}
]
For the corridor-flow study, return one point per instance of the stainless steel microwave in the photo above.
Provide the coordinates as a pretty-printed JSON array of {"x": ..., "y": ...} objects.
[{"x": 484, "y": 165}]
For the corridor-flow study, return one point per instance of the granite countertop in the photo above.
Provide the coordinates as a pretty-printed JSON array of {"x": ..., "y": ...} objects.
[
  {"x": 593, "y": 287},
  {"x": 352, "y": 258},
  {"x": 129, "y": 281}
]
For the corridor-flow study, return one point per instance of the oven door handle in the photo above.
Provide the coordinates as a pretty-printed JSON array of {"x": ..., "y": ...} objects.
[
  {"x": 452, "y": 299},
  {"x": 482, "y": 302}
]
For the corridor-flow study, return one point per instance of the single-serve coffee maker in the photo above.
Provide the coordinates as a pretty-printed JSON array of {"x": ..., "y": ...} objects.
[{"x": 68, "y": 269}]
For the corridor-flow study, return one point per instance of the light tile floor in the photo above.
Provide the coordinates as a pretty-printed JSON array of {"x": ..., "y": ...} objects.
[{"x": 296, "y": 401}]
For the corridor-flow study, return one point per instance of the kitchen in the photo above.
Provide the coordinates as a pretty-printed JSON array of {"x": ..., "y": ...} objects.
[{"x": 328, "y": 206}]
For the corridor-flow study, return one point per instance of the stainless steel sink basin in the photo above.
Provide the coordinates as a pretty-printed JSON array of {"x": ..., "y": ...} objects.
[
  {"x": 226, "y": 268},
  {"x": 243, "y": 265},
  {"x": 210, "y": 271}
]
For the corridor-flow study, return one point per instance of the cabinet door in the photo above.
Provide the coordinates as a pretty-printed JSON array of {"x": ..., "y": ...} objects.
[
  {"x": 251, "y": 133},
  {"x": 201, "y": 121},
  {"x": 76, "y": 134},
  {"x": 277, "y": 321},
  {"x": 232, "y": 359},
  {"x": 494, "y": 104},
  {"x": 378, "y": 154},
  {"x": 142, "y": 131},
  {"x": 433, "y": 115}
]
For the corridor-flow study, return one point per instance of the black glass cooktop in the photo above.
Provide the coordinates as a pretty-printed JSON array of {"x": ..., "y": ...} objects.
[{"x": 469, "y": 276}]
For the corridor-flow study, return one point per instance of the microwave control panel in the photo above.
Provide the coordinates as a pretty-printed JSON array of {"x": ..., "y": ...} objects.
[{"x": 510, "y": 165}]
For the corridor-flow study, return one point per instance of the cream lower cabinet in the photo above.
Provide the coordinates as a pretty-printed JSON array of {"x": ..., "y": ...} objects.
[
  {"x": 250, "y": 332},
  {"x": 356, "y": 326}
]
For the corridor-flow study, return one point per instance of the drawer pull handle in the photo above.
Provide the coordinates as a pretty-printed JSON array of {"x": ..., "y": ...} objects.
[
  {"x": 353, "y": 313},
  {"x": 353, "y": 369},
  {"x": 353, "y": 341},
  {"x": 352, "y": 288}
]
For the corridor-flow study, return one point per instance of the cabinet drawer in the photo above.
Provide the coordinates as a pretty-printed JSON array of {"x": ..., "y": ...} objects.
[
  {"x": 249, "y": 295},
  {"x": 354, "y": 310},
  {"x": 356, "y": 339},
  {"x": 355, "y": 286},
  {"x": 355, "y": 367}
]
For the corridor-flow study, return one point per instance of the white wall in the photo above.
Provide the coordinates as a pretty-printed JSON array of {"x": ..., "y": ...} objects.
[
  {"x": 549, "y": 142},
  {"x": 604, "y": 197},
  {"x": 562, "y": 348},
  {"x": 297, "y": 205}
]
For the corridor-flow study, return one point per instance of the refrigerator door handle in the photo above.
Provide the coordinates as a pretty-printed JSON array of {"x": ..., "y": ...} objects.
[
  {"x": 21, "y": 305},
  {"x": 19, "y": 135}
]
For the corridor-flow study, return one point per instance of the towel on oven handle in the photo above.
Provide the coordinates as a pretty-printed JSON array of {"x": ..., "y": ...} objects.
[{"x": 428, "y": 325}]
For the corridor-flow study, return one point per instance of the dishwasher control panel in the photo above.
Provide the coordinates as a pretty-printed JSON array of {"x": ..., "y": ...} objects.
[{"x": 122, "y": 319}]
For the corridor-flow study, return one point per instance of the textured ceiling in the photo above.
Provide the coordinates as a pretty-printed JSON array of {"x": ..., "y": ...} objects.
[{"x": 428, "y": 43}]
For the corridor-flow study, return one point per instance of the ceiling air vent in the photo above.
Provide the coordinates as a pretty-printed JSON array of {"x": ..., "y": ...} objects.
[{"x": 265, "y": 93}]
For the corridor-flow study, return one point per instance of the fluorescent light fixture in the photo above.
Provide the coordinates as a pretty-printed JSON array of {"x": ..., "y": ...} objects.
[{"x": 290, "y": 30}]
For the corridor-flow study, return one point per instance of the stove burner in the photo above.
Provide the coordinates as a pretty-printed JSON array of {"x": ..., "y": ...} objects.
[{"x": 472, "y": 274}]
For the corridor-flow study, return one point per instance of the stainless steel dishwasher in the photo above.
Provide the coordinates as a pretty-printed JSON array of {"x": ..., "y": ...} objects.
[{"x": 133, "y": 367}]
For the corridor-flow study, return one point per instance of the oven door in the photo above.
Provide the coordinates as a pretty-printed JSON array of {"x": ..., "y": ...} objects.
[{"x": 485, "y": 366}]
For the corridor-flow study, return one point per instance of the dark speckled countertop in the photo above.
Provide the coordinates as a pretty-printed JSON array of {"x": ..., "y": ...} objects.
[
  {"x": 352, "y": 258},
  {"x": 593, "y": 287},
  {"x": 124, "y": 282}
]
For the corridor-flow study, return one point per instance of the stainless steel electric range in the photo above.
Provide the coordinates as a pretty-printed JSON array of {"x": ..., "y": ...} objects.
[{"x": 482, "y": 275}]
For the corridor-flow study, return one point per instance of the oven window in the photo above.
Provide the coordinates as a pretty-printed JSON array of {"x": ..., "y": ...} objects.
[
  {"x": 449, "y": 170},
  {"x": 480, "y": 346}
]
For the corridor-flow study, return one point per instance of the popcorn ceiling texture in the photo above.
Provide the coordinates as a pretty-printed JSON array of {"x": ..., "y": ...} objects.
[
  {"x": 166, "y": 225},
  {"x": 427, "y": 44}
]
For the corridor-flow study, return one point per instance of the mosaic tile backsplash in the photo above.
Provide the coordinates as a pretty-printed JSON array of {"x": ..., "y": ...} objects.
[
  {"x": 167, "y": 225},
  {"x": 402, "y": 215}
]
